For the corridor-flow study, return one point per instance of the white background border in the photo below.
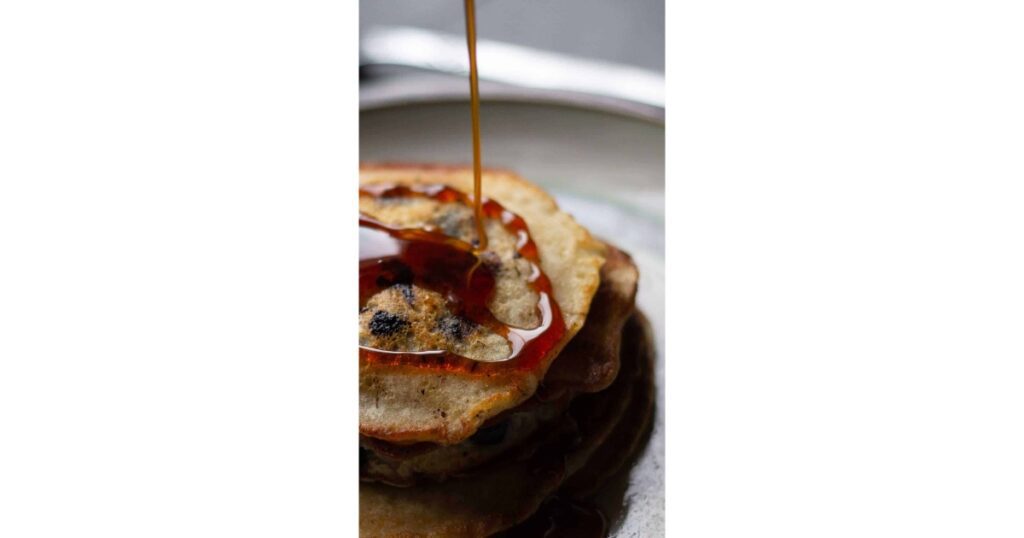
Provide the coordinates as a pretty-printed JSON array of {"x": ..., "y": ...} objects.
[
  {"x": 177, "y": 237},
  {"x": 846, "y": 184}
]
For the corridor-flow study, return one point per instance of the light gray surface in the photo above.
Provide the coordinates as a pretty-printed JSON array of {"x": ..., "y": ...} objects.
[
  {"x": 627, "y": 31},
  {"x": 606, "y": 169}
]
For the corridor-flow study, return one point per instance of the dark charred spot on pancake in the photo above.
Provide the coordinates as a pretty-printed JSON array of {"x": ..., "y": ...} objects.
[
  {"x": 491, "y": 261},
  {"x": 454, "y": 327},
  {"x": 451, "y": 223},
  {"x": 407, "y": 293},
  {"x": 490, "y": 435},
  {"x": 393, "y": 200},
  {"x": 386, "y": 324}
]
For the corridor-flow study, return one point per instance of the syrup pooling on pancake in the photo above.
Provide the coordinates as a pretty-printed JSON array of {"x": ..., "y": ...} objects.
[{"x": 426, "y": 292}]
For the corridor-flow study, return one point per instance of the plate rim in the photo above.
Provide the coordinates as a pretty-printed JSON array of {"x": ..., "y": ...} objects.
[{"x": 372, "y": 101}]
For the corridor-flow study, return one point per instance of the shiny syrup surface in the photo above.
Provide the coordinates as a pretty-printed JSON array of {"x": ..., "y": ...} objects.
[{"x": 432, "y": 260}]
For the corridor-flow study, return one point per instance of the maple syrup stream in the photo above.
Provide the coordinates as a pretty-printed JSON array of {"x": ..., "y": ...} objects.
[{"x": 474, "y": 108}]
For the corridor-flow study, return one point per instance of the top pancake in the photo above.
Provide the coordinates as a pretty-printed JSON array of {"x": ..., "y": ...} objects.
[{"x": 403, "y": 403}]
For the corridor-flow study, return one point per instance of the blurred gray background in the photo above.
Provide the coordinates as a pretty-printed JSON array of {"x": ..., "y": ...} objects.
[{"x": 624, "y": 31}]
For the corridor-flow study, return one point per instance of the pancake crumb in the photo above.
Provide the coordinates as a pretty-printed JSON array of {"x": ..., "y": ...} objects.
[
  {"x": 407, "y": 293},
  {"x": 454, "y": 327}
]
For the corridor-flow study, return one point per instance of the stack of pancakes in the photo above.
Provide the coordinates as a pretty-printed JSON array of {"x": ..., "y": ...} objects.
[{"x": 456, "y": 453}]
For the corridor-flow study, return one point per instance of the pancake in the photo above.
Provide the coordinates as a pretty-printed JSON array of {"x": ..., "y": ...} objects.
[
  {"x": 407, "y": 465},
  {"x": 589, "y": 363},
  {"x": 506, "y": 493},
  {"x": 628, "y": 435},
  {"x": 407, "y": 404}
]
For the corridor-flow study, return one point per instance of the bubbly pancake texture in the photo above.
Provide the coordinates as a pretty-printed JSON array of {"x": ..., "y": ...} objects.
[{"x": 405, "y": 404}]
